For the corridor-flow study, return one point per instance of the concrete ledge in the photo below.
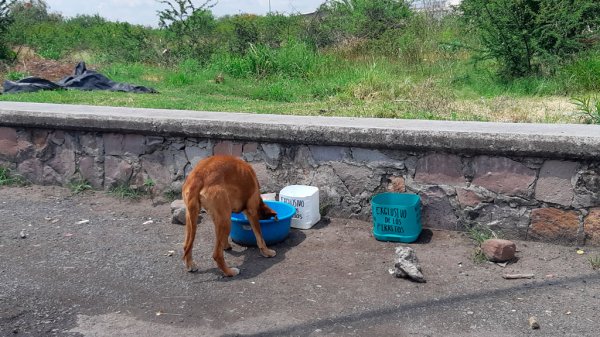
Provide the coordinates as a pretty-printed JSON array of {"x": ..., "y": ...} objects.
[{"x": 547, "y": 140}]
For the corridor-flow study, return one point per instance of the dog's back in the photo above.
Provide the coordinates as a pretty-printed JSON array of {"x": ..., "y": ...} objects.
[{"x": 232, "y": 174}]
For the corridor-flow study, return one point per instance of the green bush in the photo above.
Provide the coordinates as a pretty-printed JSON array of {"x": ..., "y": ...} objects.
[
  {"x": 583, "y": 74},
  {"x": 339, "y": 20},
  {"x": 588, "y": 109},
  {"x": 190, "y": 29},
  {"x": 533, "y": 36},
  {"x": 293, "y": 59},
  {"x": 5, "y": 21}
]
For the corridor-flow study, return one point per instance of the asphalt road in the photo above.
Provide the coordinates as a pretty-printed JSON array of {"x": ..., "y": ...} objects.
[{"x": 120, "y": 274}]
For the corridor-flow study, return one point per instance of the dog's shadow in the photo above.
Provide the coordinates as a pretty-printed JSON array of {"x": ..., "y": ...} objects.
[{"x": 254, "y": 263}]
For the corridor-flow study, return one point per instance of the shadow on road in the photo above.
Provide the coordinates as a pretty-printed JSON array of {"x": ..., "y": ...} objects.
[{"x": 389, "y": 313}]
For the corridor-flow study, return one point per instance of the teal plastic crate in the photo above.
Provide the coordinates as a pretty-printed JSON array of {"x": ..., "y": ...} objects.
[{"x": 396, "y": 217}]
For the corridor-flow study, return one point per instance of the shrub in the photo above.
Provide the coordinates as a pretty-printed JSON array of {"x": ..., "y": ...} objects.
[
  {"x": 190, "y": 28},
  {"x": 5, "y": 21},
  {"x": 533, "y": 36},
  {"x": 583, "y": 74},
  {"x": 588, "y": 108},
  {"x": 338, "y": 20},
  {"x": 293, "y": 59}
]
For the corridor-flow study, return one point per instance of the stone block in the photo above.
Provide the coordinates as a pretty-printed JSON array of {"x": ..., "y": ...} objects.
[
  {"x": 303, "y": 158},
  {"x": 468, "y": 198},
  {"x": 374, "y": 158},
  {"x": 357, "y": 179},
  {"x": 272, "y": 154},
  {"x": 510, "y": 222},
  {"x": 91, "y": 144},
  {"x": 554, "y": 225},
  {"x": 92, "y": 171},
  {"x": 8, "y": 143},
  {"x": 503, "y": 175},
  {"x": 63, "y": 162},
  {"x": 39, "y": 138},
  {"x": 32, "y": 170},
  {"x": 498, "y": 250},
  {"x": 153, "y": 143},
  {"x": 113, "y": 144},
  {"x": 266, "y": 178},
  {"x": 57, "y": 137},
  {"x": 158, "y": 167},
  {"x": 437, "y": 211},
  {"x": 227, "y": 147},
  {"x": 51, "y": 177},
  {"x": 587, "y": 191},
  {"x": 196, "y": 153},
  {"x": 323, "y": 154},
  {"x": 250, "y": 152},
  {"x": 134, "y": 144},
  {"x": 591, "y": 227},
  {"x": 437, "y": 168},
  {"x": 368, "y": 155},
  {"x": 116, "y": 171},
  {"x": 554, "y": 183}
]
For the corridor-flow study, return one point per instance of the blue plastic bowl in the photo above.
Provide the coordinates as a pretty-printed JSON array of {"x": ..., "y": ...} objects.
[
  {"x": 272, "y": 231},
  {"x": 396, "y": 217}
]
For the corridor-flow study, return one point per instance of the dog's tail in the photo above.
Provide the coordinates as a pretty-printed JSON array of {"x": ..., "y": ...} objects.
[
  {"x": 191, "y": 188},
  {"x": 191, "y": 197}
]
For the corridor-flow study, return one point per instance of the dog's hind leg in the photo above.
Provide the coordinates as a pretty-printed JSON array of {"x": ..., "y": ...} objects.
[
  {"x": 191, "y": 197},
  {"x": 219, "y": 208}
]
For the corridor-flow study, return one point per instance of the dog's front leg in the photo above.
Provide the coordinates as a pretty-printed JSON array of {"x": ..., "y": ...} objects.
[
  {"x": 255, "y": 224},
  {"x": 222, "y": 229}
]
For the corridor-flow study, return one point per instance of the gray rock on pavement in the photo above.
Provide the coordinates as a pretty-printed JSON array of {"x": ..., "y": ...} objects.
[
  {"x": 179, "y": 216},
  {"x": 498, "y": 250},
  {"x": 178, "y": 212},
  {"x": 533, "y": 323},
  {"x": 177, "y": 204},
  {"x": 407, "y": 265}
]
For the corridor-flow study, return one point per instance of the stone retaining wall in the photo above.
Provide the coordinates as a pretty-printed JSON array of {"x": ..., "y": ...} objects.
[{"x": 549, "y": 197}]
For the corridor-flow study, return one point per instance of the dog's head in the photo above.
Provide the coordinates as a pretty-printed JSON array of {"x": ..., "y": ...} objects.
[{"x": 265, "y": 212}]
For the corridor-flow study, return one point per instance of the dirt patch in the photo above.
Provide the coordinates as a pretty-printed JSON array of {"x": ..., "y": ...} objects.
[
  {"x": 115, "y": 275},
  {"x": 31, "y": 64}
]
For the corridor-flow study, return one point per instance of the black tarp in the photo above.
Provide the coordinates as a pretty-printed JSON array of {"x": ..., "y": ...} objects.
[{"x": 82, "y": 79}]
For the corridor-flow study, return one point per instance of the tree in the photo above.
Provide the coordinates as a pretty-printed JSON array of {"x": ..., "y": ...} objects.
[
  {"x": 191, "y": 26},
  {"x": 27, "y": 14},
  {"x": 532, "y": 36},
  {"x": 5, "y": 22}
]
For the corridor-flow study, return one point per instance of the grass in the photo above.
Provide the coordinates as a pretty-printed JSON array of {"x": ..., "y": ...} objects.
[
  {"x": 595, "y": 262},
  {"x": 367, "y": 88},
  {"x": 79, "y": 186},
  {"x": 9, "y": 178},
  {"x": 127, "y": 192},
  {"x": 124, "y": 191},
  {"x": 172, "y": 195},
  {"x": 479, "y": 234}
]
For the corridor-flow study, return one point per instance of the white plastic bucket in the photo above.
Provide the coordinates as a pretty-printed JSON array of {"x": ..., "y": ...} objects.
[{"x": 306, "y": 201}]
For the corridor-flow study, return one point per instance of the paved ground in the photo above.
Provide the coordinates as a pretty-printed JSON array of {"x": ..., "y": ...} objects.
[{"x": 112, "y": 276}]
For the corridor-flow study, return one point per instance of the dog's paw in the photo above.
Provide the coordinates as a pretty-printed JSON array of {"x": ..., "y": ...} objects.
[
  {"x": 192, "y": 268},
  {"x": 232, "y": 272},
  {"x": 268, "y": 252}
]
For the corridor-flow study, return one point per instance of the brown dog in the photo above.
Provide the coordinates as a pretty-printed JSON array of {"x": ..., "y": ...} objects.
[{"x": 222, "y": 184}]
